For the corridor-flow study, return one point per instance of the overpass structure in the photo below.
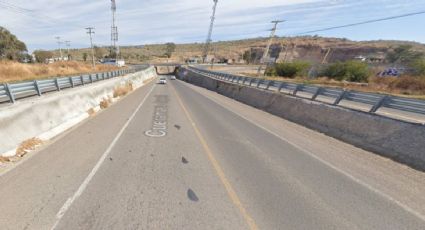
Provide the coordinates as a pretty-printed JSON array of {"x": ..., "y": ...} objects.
[
  {"x": 179, "y": 156},
  {"x": 166, "y": 68}
]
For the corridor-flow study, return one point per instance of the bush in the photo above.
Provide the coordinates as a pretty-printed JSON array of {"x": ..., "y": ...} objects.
[
  {"x": 353, "y": 71},
  {"x": 290, "y": 70},
  {"x": 419, "y": 67}
]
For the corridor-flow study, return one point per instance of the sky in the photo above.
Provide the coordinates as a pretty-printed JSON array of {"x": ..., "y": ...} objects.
[{"x": 140, "y": 22}]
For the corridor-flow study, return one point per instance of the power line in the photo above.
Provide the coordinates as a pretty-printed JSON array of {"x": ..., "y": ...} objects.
[
  {"x": 60, "y": 48},
  {"x": 90, "y": 32},
  {"x": 363, "y": 22},
  {"x": 266, "y": 52}
]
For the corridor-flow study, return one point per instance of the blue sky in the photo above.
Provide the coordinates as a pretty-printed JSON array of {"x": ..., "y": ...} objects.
[{"x": 37, "y": 22}]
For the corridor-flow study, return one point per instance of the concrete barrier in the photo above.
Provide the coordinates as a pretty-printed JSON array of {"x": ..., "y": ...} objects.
[
  {"x": 47, "y": 116},
  {"x": 401, "y": 141}
]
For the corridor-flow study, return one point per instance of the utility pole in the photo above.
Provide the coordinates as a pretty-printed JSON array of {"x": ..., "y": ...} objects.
[
  {"x": 68, "y": 44},
  {"x": 208, "y": 42},
  {"x": 266, "y": 52},
  {"x": 114, "y": 32},
  {"x": 60, "y": 48},
  {"x": 90, "y": 32}
]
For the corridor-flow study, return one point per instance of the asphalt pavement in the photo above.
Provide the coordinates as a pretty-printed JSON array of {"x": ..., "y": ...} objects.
[{"x": 177, "y": 156}]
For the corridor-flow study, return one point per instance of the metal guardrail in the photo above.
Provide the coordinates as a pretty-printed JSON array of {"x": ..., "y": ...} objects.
[
  {"x": 370, "y": 102},
  {"x": 10, "y": 92}
]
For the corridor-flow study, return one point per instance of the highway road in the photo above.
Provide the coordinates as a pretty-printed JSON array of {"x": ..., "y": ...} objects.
[{"x": 177, "y": 156}]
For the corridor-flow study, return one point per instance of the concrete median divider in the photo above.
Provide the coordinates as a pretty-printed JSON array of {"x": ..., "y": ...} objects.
[
  {"x": 51, "y": 114},
  {"x": 401, "y": 141}
]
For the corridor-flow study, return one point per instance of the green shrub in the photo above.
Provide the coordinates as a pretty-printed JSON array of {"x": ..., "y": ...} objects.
[
  {"x": 290, "y": 70},
  {"x": 419, "y": 67},
  {"x": 353, "y": 71}
]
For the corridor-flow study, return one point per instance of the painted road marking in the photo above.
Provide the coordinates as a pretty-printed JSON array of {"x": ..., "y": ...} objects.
[
  {"x": 230, "y": 191},
  {"x": 160, "y": 117},
  {"x": 83, "y": 186}
]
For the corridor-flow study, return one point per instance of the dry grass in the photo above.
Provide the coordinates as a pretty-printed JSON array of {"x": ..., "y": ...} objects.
[
  {"x": 15, "y": 71},
  {"x": 123, "y": 90},
  {"x": 105, "y": 103},
  {"x": 4, "y": 159},
  {"x": 28, "y": 145},
  {"x": 91, "y": 112}
]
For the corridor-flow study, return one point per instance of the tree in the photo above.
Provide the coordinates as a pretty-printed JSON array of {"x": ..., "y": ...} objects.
[
  {"x": 247, "y": 56},
  {"x": 404, "y": 55},
  {"x": 10, "y": 46},
  {"x": 169, "y": 50},
  {"x": 85, "y": 55},
  {"x": 41, "y": 55},
  {"x": 98, "y": 52}
]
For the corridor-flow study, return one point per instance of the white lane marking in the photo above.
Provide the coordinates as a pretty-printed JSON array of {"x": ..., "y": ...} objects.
[
  {"x": 83, "y": 186},
  {"x": 399, "y": 203}
]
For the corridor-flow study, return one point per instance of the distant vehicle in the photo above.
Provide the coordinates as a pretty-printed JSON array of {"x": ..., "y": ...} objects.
[
  {"x": 162, "y": 81},
  {"x": 173, "y": 78}
]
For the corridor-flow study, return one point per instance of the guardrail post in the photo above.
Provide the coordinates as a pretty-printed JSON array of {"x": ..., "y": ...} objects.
[
  {"x": 37, "y": 88},
  {"x": 317, "y": 93},
  {"x": 259, "y": 83},
  {"x": 250, "y": 82},
  {"x": 379, "y": 104},
  {"x": 82, "y": 80},
  {"x": 341, "y": 96},
  {"x": 71, "y": 81},
  {"x": 57, "y": 84},
  {"x": 9, "y": 93},
  {"x": 297, "y": 88},
  {"x": 281, "y": 86},
  {"x": 269, "y": 84},
  {"x": 91, "y": 78}
]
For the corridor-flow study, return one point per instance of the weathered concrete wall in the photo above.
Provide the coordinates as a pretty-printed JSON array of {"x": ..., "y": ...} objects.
[
  {"x": 398, "y": 140},
  {"x": 46, "y": 116}
]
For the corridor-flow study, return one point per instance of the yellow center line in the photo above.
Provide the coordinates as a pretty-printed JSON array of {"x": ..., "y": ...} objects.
[{"x": 230, "y": 191}]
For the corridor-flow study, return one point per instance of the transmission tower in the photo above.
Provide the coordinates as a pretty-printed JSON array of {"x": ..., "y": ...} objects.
[
  {"x": 266, "y": 52},
  {"x": 114, "y": 32},
  {"x": 90, "y": 32},
  {"x": 208, "y": 42}
]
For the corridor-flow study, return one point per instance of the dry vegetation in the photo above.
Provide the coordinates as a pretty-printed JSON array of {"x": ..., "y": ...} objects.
[
  {"x": 4, "y": 159},
  {"x": 123, "y": 90},
  {"x": 14, "y": 71},
  {"x": 105, "y": 103},
  {"x": 28, "y": 145},
  {"x": 91, "y": 112}
]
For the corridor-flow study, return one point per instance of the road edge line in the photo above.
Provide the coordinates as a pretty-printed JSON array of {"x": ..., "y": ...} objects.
[
  {"x": 87, "y": 180},
  {"x": 309, "y": 153}
]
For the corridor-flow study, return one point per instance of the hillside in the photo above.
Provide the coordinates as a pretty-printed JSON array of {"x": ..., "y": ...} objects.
[{"x": 309, "y": 48}]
